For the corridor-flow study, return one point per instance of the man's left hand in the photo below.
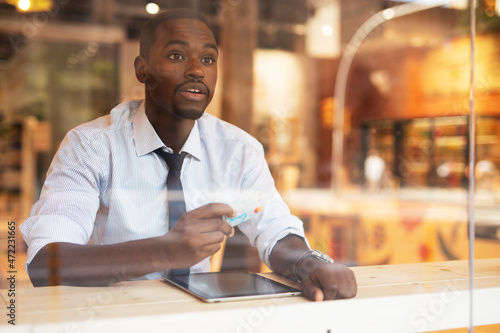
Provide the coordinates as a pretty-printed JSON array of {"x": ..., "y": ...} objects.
[{"x": 326, "y": 281}]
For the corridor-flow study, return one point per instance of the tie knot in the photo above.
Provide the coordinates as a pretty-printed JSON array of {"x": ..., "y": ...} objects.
[{"x": 174, "y": 161}]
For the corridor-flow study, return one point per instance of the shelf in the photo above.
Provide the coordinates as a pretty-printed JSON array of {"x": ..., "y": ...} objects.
[
  {"x": 487, "y": 140},
  {"x": 451, "y": 141}
]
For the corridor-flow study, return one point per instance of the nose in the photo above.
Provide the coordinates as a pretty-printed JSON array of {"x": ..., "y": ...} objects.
[{"x": 194, "y": 70}]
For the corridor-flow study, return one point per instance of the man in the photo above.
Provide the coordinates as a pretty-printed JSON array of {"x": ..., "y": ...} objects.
[{"x": 102, "y": 214}]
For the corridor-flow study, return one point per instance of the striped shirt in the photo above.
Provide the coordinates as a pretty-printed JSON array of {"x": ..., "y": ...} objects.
[{"x": 106, "y": 186}]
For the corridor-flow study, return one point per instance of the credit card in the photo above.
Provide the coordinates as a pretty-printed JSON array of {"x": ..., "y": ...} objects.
[{"x": 246, "y": 208}]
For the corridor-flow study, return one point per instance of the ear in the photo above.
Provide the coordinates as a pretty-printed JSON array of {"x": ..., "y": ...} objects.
[{"x": 141, "y": 65}]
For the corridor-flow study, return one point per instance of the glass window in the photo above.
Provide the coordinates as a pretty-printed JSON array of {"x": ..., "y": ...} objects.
[{"x": 363, "y": 108}]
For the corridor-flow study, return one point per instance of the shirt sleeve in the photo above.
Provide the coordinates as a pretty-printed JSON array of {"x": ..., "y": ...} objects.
[
  {"x": 69, "y": 199},
  {"x": 276, "y": 221}
]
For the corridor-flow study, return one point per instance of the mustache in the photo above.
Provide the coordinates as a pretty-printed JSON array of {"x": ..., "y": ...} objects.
[{"x": 181, "y": 85}]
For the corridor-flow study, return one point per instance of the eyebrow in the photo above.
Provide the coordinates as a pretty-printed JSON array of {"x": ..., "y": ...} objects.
[
  {"x": 184, "y": 43},
  {"x": 211, "y": 46}
]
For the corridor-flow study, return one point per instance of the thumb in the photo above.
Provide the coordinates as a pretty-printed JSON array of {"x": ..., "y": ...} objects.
[{"x": 312, "y": 291}]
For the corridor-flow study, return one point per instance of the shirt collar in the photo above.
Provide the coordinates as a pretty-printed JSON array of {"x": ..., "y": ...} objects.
[
  {"x": 192, "y": 145},
  {"x": 146, "y": 140}
]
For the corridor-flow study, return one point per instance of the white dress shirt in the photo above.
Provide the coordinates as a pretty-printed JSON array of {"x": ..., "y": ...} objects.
[{"x": 105, "y": 185}]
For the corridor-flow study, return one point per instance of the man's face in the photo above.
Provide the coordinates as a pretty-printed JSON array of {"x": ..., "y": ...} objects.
[{"x": 182, "y": 69}]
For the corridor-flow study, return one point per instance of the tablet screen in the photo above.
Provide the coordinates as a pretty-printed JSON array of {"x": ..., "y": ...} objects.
[{"x": 230, "y": 285}]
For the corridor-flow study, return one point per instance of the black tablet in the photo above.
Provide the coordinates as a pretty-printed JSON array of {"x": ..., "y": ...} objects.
[{"x": 216, "y": 287}]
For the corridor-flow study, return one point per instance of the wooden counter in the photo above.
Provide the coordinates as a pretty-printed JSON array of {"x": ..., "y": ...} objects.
[{"x": 392, "y": 298}]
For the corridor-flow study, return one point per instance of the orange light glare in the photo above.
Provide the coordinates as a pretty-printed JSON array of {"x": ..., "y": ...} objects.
[
  {"x": 258, "y": 209},
  {"x": 32, "y": 5}
]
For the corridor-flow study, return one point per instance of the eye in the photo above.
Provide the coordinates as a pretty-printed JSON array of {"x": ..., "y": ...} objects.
[
  {"x": 175, "y": 56},
  {"x": 208, "y": 60}
]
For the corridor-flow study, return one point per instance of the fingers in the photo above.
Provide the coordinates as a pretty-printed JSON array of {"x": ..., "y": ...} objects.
[
  {"x": 346, "y": 282},
  {"x": 331, "y": 291},
  {"x": 312, "y": 291},
  {"x": 202, "y": 226},
  {"x": 330, "y": 281},
  {"x": 199, "y": 233},
  {"x": 340, "y": 285},
  {"x": 320, "y": 290},
  {"x": 207, "y": 219},
  {"x": 212, "y": 210},
  {"x": 352, "y": 287}
]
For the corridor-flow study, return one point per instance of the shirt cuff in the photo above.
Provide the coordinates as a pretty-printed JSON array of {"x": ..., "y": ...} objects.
[{"x": 277, "y": 238}]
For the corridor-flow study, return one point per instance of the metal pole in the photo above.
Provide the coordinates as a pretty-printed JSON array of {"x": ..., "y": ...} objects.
[
  {"x": 343, "y": 71},
  {"x": 472, "y": 160}
]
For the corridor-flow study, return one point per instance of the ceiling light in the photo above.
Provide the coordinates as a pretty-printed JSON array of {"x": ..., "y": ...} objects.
[
  {"x": 327, "y": 30},
  {"x": 152, "y": 8},
  {"x": 32, "y": 5},
  {"x": 24, "y": 5},
  {"x": 323, "y": 29}
]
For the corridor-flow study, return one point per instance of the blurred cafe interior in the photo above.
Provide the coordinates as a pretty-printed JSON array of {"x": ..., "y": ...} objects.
[{"x": 373, "y": 119}]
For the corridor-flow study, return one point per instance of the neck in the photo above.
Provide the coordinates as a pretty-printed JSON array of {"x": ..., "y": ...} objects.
[{"x": 172, "y": 129}]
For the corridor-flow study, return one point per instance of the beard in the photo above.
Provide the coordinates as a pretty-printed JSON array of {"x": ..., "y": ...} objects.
[{"x": 188, "y": 113}]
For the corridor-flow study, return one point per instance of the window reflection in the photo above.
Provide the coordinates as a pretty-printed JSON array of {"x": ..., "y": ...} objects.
[{"x": 394, "y": 191}]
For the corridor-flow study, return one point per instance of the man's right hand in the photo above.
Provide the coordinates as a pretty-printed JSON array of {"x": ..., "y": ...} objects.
[
  {"x": 194, "y": 237},
  {"x": 197, "y": 235}
]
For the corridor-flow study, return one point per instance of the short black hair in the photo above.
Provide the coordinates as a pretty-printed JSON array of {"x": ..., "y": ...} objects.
[{"x": 148, "y": 34}]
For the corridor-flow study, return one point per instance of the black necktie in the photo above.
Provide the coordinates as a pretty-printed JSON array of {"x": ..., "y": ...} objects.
[{"x": 176, "y": 203}]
